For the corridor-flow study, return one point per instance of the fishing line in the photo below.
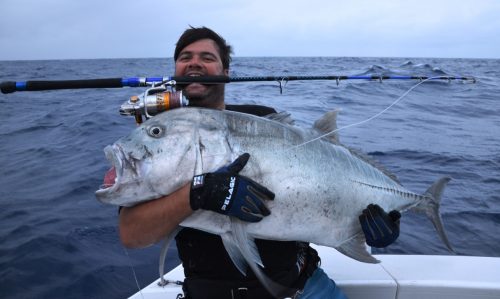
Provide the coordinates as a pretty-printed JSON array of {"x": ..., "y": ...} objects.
[
  {"x": 133, "y": 271},
  {"x": 358, "y": 123},
  {"x": 368, "y": 119}
]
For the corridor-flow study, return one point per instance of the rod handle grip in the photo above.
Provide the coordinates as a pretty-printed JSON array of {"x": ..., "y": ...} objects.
[
  {"x": 8, "y": 86},
  {"x": 11, "y": 86}
]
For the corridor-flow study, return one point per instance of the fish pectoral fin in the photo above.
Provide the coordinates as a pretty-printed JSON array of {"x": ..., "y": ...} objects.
[
  {"x": 163, "y": 254},
  {"x": 249, "y": 250},
  {"x": 254, "y": 251},
  {"x": 356, "y": 248},
  {"x": 234, "y": 253}
]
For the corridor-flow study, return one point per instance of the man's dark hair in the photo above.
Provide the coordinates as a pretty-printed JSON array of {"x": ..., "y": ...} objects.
[{"x": 192, "y": 35}]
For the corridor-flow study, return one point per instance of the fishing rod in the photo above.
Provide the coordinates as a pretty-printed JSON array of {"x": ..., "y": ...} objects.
[
  {"x": 162, "y": 94},
  {"x": 13, "y": 86}
]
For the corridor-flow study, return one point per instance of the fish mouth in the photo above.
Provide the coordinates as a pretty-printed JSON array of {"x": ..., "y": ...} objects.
[{"x": 112, "y": 178}]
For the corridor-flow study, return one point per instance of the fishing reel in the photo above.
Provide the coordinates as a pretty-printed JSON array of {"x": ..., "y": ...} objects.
[{"x": 154, "y": 100}]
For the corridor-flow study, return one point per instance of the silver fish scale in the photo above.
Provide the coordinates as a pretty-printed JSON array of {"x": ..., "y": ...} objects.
[{"x": 321, "y": 187}]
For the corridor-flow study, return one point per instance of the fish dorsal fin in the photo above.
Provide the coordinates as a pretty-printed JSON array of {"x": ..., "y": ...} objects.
[
  {"x": 282, "y": 117},
  {"x": 355, "y": 248},
  {"x": 374, "y": 163},
  {"x": 328, "y": 124}
]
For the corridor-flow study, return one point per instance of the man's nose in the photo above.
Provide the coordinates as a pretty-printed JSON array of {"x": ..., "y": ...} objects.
[{"x": 195, "y": 61}]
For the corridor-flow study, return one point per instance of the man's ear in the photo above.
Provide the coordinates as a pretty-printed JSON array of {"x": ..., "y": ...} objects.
[{"x": 226, "y": 72}]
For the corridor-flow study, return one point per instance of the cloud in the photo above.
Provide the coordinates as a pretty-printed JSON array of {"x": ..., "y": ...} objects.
[{"x": 59, "y": 29}]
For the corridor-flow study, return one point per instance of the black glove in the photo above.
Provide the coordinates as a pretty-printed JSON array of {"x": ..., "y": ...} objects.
[
  {"x": 226, "y": 192},
  {"x": 380, "y": 229}
]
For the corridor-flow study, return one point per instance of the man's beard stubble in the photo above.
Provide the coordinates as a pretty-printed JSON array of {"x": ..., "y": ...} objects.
[{"x": 210, "y": 99}]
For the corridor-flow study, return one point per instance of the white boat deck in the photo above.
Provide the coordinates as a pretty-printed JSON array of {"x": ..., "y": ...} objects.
[{"x": 397, "y": 276}]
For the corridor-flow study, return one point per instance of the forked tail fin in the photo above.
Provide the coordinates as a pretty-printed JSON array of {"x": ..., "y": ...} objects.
[{"x": 430, "y": 206}]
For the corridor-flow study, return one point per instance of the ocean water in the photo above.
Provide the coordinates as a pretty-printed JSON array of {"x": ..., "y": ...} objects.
[{"x": 57, "y": 241}]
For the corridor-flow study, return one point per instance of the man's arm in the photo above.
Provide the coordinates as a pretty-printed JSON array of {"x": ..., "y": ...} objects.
[
  {"x": 149, "y": 222},
  {"x": 223, "y": 191}
]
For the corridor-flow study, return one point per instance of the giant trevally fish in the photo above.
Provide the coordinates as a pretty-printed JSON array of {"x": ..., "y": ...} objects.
[{"x": 321, "y": 186}]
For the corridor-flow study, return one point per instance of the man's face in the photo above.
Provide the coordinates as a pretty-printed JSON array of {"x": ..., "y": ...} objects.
[{"x": 202, "y": 58}]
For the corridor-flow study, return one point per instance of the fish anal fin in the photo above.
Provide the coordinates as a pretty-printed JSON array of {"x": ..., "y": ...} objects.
[{"x": 356, "y": 248}]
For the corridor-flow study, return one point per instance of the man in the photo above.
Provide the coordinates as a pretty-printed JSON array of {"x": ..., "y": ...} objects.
[{"x": 208, "y": 269}]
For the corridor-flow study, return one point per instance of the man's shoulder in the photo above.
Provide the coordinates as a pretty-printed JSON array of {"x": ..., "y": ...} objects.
[{"x": 258, "y": 110}]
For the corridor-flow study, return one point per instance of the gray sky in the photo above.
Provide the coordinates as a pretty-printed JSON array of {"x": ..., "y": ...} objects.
[{"x": 64, "y": 29}]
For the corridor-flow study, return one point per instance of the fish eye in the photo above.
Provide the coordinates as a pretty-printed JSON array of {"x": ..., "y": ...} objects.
[{"x": 156, "y": 131}]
